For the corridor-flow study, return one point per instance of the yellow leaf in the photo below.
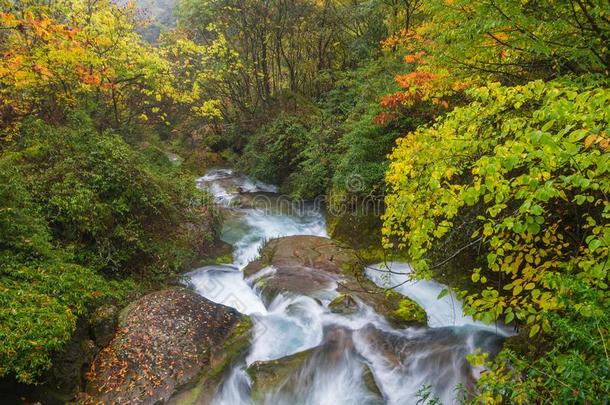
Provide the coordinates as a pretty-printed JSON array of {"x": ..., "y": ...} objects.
[{"x": 590, "y": 140}]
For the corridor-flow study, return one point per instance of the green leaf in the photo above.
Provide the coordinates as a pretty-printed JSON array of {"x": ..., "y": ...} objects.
[
  {"x": 594, "y": 244},
  {"x": 517, "y": 290},
  {"x": 534, "y": 330},
  {"x": 444, "y": 292}
]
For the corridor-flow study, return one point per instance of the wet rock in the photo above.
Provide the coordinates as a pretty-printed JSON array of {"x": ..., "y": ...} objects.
[
  {"x": 398, "y": 310},
  {"x": 298, "y": 377},
  {"x": 369, "y": 381},
  {"x": 399, "y": 349},
  {"x": 165, "y": 340},
  {"x": 312, "y": 252},
  {"x": 218, "y": 252},
  {"x": 104, "y": 323},
  {"x": 64, "y": 379},
  {"x": 343, "y": 304},
  {"x": 309, "y": 265},
  {"x": 202, "y": 389},
  {"x": 358, "y": 228},
  {"x": 407, "y": 313},
  {"x": 268, "y": 375},
  {"x": 438, "y": 352},
  {"x": 394, "y": 348}
]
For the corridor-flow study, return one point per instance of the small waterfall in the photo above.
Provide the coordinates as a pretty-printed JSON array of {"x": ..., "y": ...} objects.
[
  {"x": 348, "y": 359},
  {"x": 291, "y": 325},
  {"x": 444, "y": 311},
  {"x": 226, "y": 285}
]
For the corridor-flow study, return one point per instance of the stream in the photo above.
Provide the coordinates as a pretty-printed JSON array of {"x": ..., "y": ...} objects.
[{"x": 344, "y": 352}]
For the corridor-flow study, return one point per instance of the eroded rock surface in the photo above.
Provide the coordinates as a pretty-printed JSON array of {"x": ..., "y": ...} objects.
[
  {"x": 165, "y": 340},
  {"x": 310, "y": 264}
]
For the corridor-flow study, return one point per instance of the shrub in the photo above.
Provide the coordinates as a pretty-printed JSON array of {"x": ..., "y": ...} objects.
[
  {"x": 108, "y": 205},
  {"x": 81, "y": 216},
  {"x": 532, "y": 161},
  {"x": 274, "y": 150}
]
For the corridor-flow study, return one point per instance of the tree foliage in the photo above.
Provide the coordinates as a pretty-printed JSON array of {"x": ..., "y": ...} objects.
[
  {"x": 496, "y": 112},
  {"x": 533, "y": 161},
  {"x": 520, "y": 41},
  {"x": 57, "y": 55},
  {"x": 283, "y": 46},
  {"x": 90, "y": 207}
]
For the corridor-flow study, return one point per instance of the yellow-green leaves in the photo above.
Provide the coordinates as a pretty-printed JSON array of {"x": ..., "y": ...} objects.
[
  {"x": 523, "y": 158},
  {"x": 58, "y": 56}
]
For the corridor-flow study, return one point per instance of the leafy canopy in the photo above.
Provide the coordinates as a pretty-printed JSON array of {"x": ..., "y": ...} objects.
[{"x": 532, "y": 161}]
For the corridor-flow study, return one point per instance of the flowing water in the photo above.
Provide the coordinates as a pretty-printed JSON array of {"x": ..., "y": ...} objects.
[{"x": 348, "y": 359}]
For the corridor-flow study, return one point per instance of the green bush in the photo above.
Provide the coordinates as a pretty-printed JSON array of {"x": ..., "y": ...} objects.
[
  {"x": 41, "y": 296},
  {"x": 272, "y": 153},
  {"x": 364, "y": 144},
  {"x": 317, "y": 159},
  {"x": 107, "y": 204},
  {"x": 82, "y": 215},
  {"x": 362, "y": 165},
  {"x": 522, "y": 174},
  {"x": 40, "y": 302},
  {"x": 339, "y": 146}
]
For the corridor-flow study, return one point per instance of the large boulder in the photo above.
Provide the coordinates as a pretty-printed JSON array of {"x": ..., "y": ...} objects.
[
  {"x": 441, "y": 353},
  {"x": 303, "y": 264},
  {"x": 306, "y": 252},
  {"x": 311, "y": 264},
  {"x": 165, "y": 340}
]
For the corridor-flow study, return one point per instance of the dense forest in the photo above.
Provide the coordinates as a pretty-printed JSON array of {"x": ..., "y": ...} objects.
[{"x": 481, "y": 127}]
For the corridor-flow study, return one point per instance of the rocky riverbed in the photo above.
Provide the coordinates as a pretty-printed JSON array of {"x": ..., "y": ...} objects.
[{"x": 296, "y": 318}]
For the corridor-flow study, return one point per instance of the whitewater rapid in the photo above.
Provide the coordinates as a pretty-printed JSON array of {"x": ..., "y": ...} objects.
[{"x": 344, "y": 351}]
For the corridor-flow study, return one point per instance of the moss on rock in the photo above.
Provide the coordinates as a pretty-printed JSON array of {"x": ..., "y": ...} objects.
[
  {"x": 266, "y": 375},
  {"x": 344, "y": 304},
  {"x": 202, "y": 389},
  {"x": 408, "y": 312}
]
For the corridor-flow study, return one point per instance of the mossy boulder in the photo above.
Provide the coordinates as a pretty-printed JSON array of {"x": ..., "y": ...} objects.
[
  {"x": 444, "y": 348},
  {"x": 305, "y": 265},
  {"x": 267, "y": 375},
  {"x": 65, "y": 378},
  {"x": 165, "y": 340},
  {"x": 219, "y": 252},
  {"x": 398, "y": 310},
  {"x": 408, "y": 312},
  {"x": 202, "y": 389},
  {"x": 358, "y": 228},
  {"x": 104, "y": 322}
]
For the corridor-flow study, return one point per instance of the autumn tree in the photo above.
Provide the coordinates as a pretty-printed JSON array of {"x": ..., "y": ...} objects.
[{"x": 59, "y": 55}]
